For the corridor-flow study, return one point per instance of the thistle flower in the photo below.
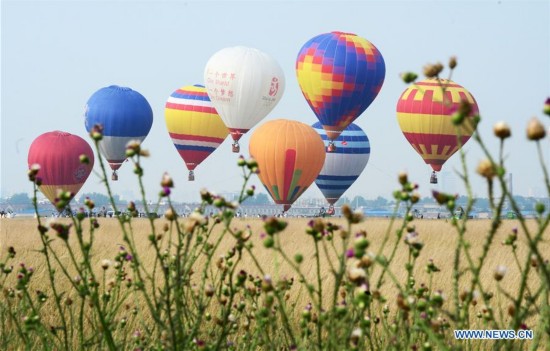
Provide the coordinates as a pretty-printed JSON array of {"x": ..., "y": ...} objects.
[
  {"x": 97, "y": 132},
  {"x": 409, "y": 77},
  {"x": 546, "y": 108},
  {"x": 502, "y": 130},
  {"x": 433, "y": 70},
  {"x": 133, "y": 147},
  {"x": 105, "y": 264},
  {"x": 452, "y": 62},
  {"x": 486, "y": 169},
  {"x": 166, "y": 181},
  {"x": 535, "y": 130},
  {"x": 499, "y": 273},
  {"x": 84, "y": 159}
]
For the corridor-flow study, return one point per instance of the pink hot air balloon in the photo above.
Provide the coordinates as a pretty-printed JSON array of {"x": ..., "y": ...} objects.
[{"x": 58, "y": 154}]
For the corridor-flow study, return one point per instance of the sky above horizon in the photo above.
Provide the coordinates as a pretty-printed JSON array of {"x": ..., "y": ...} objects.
[{"x": 56, "y": 54}]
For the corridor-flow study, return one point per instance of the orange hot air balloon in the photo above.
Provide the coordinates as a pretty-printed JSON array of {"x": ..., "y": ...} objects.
[
  {"x": 290, "y": 155},
  {"x": 424, "y": 113}
]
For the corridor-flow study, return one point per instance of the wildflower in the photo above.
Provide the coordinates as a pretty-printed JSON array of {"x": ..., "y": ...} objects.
[
  {"x": 535, "y": 130},
  {"x": 409, "y": 77},
  {"x": 356, "y": 334},
  {"x": 357, "y": 275},
  {"x": 89, "y": 203},
  {"x": 403, "y": 178},
  {"x": 97, "y": 132},
  {"x": 452, "y": 62},
  {"x": 502, "y": 130},
  {"x": 433, "y": 70},
  {"x": 165, "y": 192},
  {"x": 486, "y": 169},
  {"x": 84, "y": 159},
  {"x": 464, "y": 110},
  {"x": 546, "y": 108},
  {"x": 250, "y": 191},
  {"x": 33, "y": 171},
  {"x": 61, "y": 229},
  {"x": 166, "y": 181},
  {"x": 273, "y": 226},
  {"x": 170, "y": 214},
  {"x": 133, "y": 147},
  {"x": 241, "y": 161},
  {"x": 499, "y": 273}
]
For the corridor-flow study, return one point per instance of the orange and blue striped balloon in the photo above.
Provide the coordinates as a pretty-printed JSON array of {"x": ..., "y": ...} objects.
[
  {"x": 340, "y": 75},
  {"x": 194, "y": 125},
  {"x": 424, "y": 113}
]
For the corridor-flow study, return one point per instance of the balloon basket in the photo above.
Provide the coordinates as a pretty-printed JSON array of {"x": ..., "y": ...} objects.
[
  {"x": 433, "y": 178},
  {"x": 235, "y": 147},
  {"x": 331, "y": 147},
  {"x": 114, "y": 176},
  {"x": 191, "y": 176}
]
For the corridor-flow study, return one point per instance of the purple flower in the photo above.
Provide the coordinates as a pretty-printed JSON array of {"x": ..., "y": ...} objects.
[
  {"x": 129, "y": 257},
  {"x": 350, "y": 253}
]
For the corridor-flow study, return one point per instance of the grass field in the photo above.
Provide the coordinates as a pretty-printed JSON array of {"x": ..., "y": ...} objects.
[{"x": 439, "y": 239}]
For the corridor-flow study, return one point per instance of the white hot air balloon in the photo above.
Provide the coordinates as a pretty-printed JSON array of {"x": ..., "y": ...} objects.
[{"x": 244, "y": 85}]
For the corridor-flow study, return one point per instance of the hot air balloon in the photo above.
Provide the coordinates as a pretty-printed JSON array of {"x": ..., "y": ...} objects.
[
  {"x": 244, "y": 84},
  {"x": 340, "y": 74},
  {"x": 58, "y": 154},
  {"x": 194, "y": 125},
  {"x": 124, "y": 114},
  {"x": 343, "y": 166},
  {"x": 425, "y": 113},
  {"x": 290, "y": 155}
]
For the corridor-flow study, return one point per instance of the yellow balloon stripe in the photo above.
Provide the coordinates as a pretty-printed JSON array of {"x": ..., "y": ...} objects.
[
  {"x": 196, "y": 123},
  {"x": 432, "y": 124}
]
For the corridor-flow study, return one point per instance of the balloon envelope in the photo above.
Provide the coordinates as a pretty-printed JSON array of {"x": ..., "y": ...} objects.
[
  {"x": 194, "y": 125},
  {"x": 425, "y": 113},
  {"x": 343, "y": 166},
  {"x": 290, "y": 155},
  {"x": 124, "y": 114},
  {"x": 58, "y": 154},
  {"x": 340, "y": 74},
  {"x": 244, "y": 84}
]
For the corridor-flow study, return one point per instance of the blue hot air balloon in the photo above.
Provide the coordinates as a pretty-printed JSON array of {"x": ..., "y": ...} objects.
[
  {"x": 124, "y": 114},
  {"x": 342, "y": 166}
]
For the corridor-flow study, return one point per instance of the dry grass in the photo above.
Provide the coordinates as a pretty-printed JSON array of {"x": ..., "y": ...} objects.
[{"x": 438, "y": 236}]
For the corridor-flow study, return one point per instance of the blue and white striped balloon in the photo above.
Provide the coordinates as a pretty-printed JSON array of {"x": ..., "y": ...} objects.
[
  {"x": 124, "y": 114},
  {"x": 344, "y": 165}
]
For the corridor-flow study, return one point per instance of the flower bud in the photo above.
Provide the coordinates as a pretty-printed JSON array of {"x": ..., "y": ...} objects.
[
  {"x": 97, "y": 132},
  {"x": 403, "y": 178},
  {"x": 433, "y": 70},
  {"x": 409, "y": 77},
  {"x": 166, "y": 181},
  {"x": 486, "y": 169},
  {"x": 535, "y": 130},
  {"x": 452, "y": 62},
  {"x": 502, "y": 130},
  {"x": 546, "y": 108},
  {"x": 84, "y": 159},
  {"x": 499, "y": 273}
]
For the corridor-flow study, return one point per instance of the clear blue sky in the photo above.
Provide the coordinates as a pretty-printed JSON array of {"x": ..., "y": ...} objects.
[{"x": 55, "y": 54}]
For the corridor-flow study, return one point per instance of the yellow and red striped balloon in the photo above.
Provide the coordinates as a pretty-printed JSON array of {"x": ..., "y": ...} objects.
[
  {"x": 424, "y": 113},
  {"x": 194, "y": 126},
  {"x": 290, "y": 155}
]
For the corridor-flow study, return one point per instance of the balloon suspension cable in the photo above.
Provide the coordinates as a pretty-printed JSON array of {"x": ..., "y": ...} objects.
[
  {"x": 331, "y": 147},
  {"x": 235, "y": 146},
  {"x": 433, "y": 178},
  {"x": 191, "y": 176},
  {"x": 114, "y": 176}
]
